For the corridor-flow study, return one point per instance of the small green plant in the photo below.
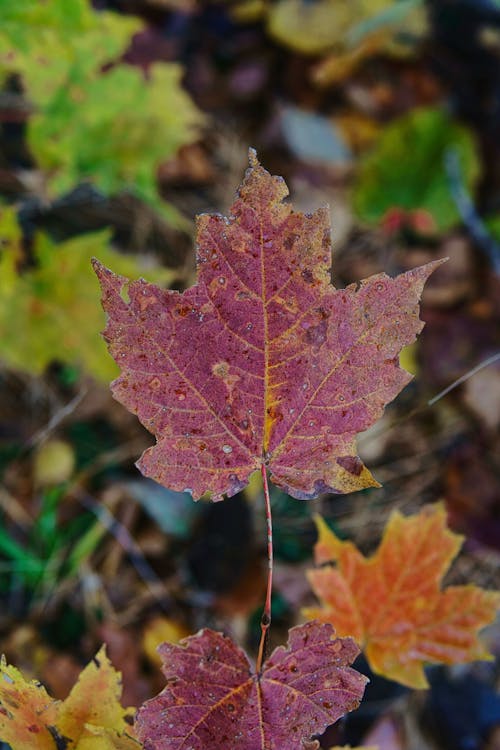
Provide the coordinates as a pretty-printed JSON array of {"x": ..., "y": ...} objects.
[{"x": 37, "y": 559}]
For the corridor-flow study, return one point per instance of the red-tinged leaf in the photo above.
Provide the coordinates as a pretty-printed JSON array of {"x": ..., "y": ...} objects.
[
  {"x": 27, "y": 713},
  {"x": 91, "y": 717},
  {"x": 392, "y": 602},
  {"x": 262, "y": 361},
  {"x": 214, "y": 700}
]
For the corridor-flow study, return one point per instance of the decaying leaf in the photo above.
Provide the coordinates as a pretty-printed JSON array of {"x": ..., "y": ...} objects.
[
  {"x": 91, "y": 717},
  {"x": 213, "y": 699},
  {"x": 55, "y": 302},
  {"x": 28, "y": 714},
  {"x": 392, "y": 603},
  {"x": 262, "y": 361},
  {"x": 314, "y": 28}
]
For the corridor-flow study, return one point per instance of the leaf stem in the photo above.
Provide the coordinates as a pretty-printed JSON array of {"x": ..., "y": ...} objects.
[{"x": 265, "y": 620}]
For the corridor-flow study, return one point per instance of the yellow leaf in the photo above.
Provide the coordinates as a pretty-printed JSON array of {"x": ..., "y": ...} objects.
[
  {"x": 408, "y": 359},
  {"x": 392, "y": 602},
  {"x": 91, "y": 717},
  {"x": 158, "y": 631},
  {"x": 96, "y": 738},
  {"x": 310, "y": 28},
  {"x": 95, "y": 699},
  {"x": 28, "y": 714}
]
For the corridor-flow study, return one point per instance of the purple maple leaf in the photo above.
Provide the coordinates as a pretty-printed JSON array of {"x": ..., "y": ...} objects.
[
  {"x": 214, "y": 700},
  {"x": 262, "y": 361}
]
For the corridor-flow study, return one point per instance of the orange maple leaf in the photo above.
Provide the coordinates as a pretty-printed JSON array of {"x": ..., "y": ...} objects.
[{"x": 392, "y": 602}]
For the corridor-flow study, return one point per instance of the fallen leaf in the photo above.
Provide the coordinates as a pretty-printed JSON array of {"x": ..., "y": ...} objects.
[
  {"x": 213, "y": 699},
  {"x": 27, "y": 713},
  {"x": 262, "y": 362},
  {"x": 316, "y": 27},
  {"x": 482, "y": 395},
  {"x": 54, "y": 462},
  {"x": 95, "y": 738},
  {"x": 312, "y": 137},
  {"x": 91, "y": 717},
  {"x": 388, "y": 732},
  {"x": 95, "y": 699},
  {"x": 395, "y": 174},
  {"x": 55, "y": 302},
  {"x": 94, "y": 114},
  {"x": 160, "y": 630},
  {"x": 392, "y": 603}
]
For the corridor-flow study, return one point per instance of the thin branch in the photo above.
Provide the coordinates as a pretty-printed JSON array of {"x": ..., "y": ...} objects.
[
  {"x": 125, "y": 539},
  {"x": 467, "y": 210},
  {"x": 463, "y": 378},
  {"x": 375, "y": 434},
  {"x": 56, "y": 419}
]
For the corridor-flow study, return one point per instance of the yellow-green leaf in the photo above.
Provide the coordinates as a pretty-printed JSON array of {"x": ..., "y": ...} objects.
[
  {"x": 55, "y": 304},
  {"x": 95, "y": 117},
  {"x": 313, "y": 28}
]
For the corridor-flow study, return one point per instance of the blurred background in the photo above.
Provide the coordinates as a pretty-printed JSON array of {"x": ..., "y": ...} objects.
[{"x": 119, "y": 122}]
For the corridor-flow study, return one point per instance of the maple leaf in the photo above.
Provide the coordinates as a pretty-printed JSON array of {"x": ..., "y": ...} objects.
[
  {"x": 95, "y": 700},
  {"x": 91, "y": 717},
  {"x": 27, "y": 713},
  {"x": 262, "y": 361},
  {"x": 392, "y": 604},
  {"x": 213, "y": 699}
]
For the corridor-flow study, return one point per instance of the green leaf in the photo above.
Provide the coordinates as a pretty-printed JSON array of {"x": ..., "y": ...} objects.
[
  {"x": 96, "y": 118},
  {"x": 113, "y": 129},
  {"x": 406, "y": 168},
  {"x": 44, "y": 42},
  {"x": 56, "y": 304},
  {"x": 29, "y": 566},
  {"x": 84, "y": 547}
]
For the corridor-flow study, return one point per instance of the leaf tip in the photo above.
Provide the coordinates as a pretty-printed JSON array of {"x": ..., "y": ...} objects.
[
  {"x": 252, "y": 158},
  {"x": 327, "y": 545}
]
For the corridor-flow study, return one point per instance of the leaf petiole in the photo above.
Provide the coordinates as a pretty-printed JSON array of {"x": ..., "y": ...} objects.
[{"x": 265, "y": 620}]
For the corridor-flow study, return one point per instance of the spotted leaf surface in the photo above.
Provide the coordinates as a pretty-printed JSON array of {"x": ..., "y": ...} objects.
[
  {"x": 91, "y": 717},
  {"x": 27, "y": 713},
  {"x": 392, "y": 603},
  {"x": 213, "y": 699},
  {"x": 262, "y": 361}
]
